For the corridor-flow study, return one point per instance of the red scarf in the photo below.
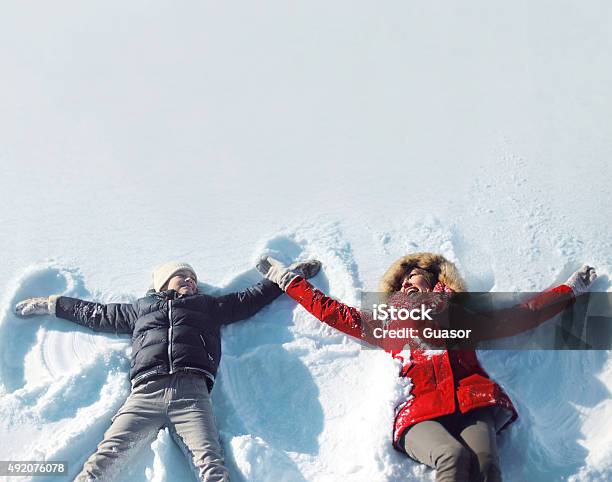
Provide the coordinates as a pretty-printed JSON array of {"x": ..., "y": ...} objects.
[{"x": 438, "y": 303}]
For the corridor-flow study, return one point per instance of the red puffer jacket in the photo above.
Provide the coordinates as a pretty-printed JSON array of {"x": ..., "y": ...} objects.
[{"x": 442, "y": 380}]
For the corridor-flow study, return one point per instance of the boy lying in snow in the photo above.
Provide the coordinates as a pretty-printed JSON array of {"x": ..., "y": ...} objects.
[{"x": 176, "y": 350}]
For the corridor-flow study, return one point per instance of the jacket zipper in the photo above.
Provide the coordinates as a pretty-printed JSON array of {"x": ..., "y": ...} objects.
[
  {"x": 170, "y": 336},
  {"x": 204, "y": 344}
]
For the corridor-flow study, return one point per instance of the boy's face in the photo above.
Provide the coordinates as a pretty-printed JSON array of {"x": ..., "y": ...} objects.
[{"x": 183, "y": 282}]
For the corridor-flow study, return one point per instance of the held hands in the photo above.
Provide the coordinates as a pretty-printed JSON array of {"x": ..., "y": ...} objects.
[
  {"x": 36, "y": 306},
  {"x": 580, "y": 282},
  {"x": 282, "y": 275},
  {"x": 306, "y": 269}
]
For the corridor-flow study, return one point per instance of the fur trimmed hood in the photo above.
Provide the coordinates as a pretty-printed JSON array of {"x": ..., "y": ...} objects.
[{"x": 446, "y": 271}]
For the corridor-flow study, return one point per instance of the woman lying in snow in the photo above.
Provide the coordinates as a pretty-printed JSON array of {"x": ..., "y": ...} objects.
[{"x": 450, "y": 420}]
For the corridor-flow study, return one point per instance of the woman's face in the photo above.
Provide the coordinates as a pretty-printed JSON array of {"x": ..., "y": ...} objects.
[{"x": 415, "y": 281}]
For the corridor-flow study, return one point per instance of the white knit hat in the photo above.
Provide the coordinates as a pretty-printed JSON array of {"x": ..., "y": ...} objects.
[{"x": 163, "y": 273}]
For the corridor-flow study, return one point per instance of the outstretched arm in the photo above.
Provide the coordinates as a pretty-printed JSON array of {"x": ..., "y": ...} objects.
[
  {"x": 330, "y": 311},
  {"x": 527, "y": 315},
  {"x": 292, "y": 280},
  {"x": 244, "y": 304},
  {"x": 506, "y": 322},
  {"x": 241, "y": 305},
  {"x": 110, "y": 318}
]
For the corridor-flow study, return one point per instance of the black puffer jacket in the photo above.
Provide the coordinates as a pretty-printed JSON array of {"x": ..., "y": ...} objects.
[{"x": 171, "y": 332}]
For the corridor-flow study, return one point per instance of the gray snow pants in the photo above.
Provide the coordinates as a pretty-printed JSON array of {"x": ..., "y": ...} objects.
[
  {"x": 179, "y": 401},
  {"x": 461, "y": 446}
]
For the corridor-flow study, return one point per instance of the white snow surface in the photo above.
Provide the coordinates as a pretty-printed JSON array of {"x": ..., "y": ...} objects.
[{"x": 139, "y": 132}]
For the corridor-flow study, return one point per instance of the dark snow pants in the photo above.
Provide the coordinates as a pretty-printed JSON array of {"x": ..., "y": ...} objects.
[
  {"x": 180, "y": 402},
  {"x": 461, "y": 447}
]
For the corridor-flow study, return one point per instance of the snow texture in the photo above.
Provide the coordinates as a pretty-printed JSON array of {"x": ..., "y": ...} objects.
[{"x": 354, "y": 132}]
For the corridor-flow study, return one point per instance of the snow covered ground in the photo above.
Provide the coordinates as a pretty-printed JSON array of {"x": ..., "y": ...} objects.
[{"x": 132, "y": 134}]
